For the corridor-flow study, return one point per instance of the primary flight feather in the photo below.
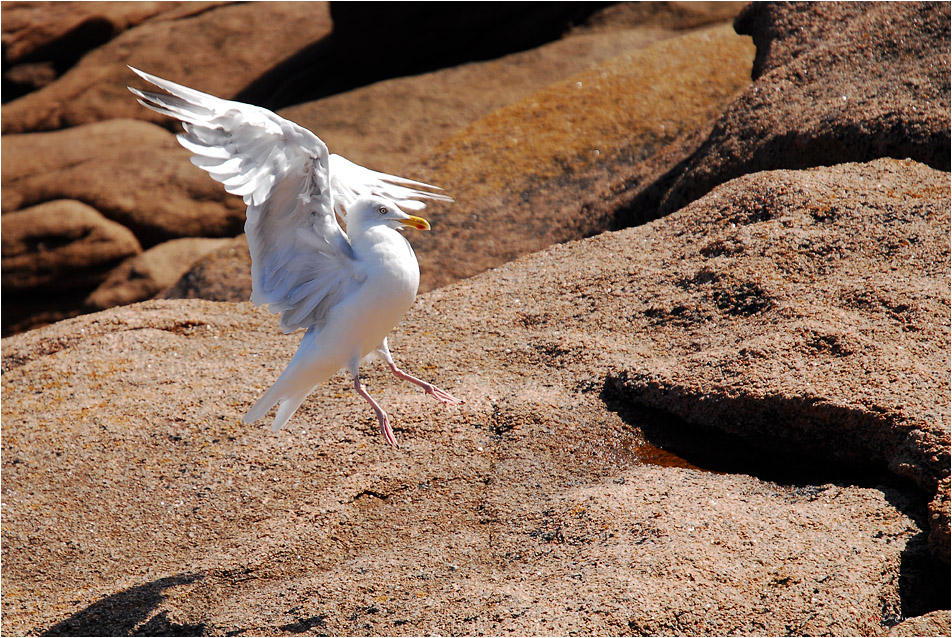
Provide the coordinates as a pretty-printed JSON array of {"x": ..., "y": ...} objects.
[{"x": 346, "y": 289}]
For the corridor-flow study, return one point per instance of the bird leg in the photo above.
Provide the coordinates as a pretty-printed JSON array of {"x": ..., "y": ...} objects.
[
  {"x": 441, "y": 395},
  {"x": 382, "y": 417}
]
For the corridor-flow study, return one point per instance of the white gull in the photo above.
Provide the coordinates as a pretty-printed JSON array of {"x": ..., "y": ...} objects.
[{"x": 346, "y": 289}]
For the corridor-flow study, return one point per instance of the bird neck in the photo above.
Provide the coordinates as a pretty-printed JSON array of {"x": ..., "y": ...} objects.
[
  {"x": 370, "y": 236},
  {"x": 382, "y": 243}
]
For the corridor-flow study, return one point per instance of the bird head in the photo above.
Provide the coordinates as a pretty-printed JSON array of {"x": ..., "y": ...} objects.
[{"x": 374, "y": 211}]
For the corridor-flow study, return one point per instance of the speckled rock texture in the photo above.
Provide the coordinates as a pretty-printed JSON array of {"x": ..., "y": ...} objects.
[
  {"x": 419, "y": 111},
  {"x": 60, "y": 245},
  {"x": 144, "y": 276},
  {"x": 697, "y": 304},
  {"x": 790, "y": 301},
  {"x": 936, "y": 623},
  {"x": 189, "y": 40},
  {"x": 524, "y": 170},
  {"x": 133, "y": 172},
  {"x": 833, "y": 82},
  {"x": 221, "y": 275},
  {"x": 136, "y": 174},
  {"x": 42, "y": 40},
  {"x": 136, "y": 502}
]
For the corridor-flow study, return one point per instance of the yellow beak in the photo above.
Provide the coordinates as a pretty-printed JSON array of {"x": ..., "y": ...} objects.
[{"x": 416, "y": 222}]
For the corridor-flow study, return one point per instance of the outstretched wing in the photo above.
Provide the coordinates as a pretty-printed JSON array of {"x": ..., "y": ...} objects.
[
  {"x": 350, "y": 181},
  {"x": 302, "y": 262}
]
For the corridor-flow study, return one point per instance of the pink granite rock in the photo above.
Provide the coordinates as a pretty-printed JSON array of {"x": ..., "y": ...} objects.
[
  {"x": 136, "y": 502},
  {"x": 144, "y": 276}
]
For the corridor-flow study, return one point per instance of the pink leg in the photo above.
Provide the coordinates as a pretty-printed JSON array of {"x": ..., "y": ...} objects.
[
  {"x": 382, "y": 417},
  {"x": 441, "y": 395}
]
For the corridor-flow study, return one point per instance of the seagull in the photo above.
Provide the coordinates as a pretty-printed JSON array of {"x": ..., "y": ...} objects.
[{"x": 347, "y": 290}]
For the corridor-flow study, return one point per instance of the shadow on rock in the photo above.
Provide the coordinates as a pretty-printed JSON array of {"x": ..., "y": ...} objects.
[
  {"x": 433, "y": 38},
  {"x": 672, "y": 441},
  {"x": 122, "y": 613},
  {"x": 923, "y": 581},
  {"x": 712, "y": 450}
]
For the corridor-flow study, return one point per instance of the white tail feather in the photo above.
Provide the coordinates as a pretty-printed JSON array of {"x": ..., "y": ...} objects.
[{"x": 286, "y": 410}]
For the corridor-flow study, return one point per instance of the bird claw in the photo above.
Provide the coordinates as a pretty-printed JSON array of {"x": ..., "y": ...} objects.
[
  {"x": 386, "y": 430},
  {"x": 442, "y": 396}
]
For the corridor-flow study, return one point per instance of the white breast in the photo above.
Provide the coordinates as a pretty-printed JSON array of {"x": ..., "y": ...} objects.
[{"x": 393, "y": 276}]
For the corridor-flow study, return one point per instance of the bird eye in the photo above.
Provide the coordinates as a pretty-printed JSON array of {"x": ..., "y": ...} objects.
[{"x": 383, "y": 210}]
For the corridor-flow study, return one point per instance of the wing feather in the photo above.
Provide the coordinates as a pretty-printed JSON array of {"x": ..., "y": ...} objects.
[
  {"x": 350, "y": 181},
  {"x": 302, "y": 263}
]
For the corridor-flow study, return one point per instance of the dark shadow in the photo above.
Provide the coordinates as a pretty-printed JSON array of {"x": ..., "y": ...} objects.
[
  {"x": 923, "y": 579},
  {"x": 50, "y": 61},
  {"x": 374, "y": 41},
  {"x": 304, "y": 624},
  {"x": 671, "y": 191},
  {"x": 121, "y": 614},
  {"x": 26, "y": 310},
  {"x": 712, "y": 450},
  {"x": 644, "y": 203},
  {"x": 672, "y": 442}
]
